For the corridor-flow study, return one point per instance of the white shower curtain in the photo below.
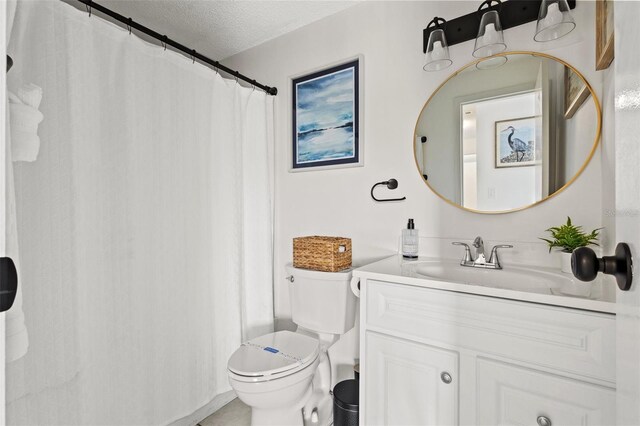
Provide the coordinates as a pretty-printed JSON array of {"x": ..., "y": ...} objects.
[{"x": 145, "y": 226}]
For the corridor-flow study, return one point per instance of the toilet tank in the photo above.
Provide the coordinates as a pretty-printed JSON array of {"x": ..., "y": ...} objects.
[{"x": 322, "y": 301}]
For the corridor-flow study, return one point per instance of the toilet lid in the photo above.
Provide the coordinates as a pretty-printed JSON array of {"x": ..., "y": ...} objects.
[{"x": 274, "y": 353}]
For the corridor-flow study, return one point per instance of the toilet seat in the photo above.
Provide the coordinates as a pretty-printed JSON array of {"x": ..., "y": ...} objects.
[{"x": 273, "y": 356}]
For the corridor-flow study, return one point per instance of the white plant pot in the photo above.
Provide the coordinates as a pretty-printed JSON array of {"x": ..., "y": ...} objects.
[{"x": 566, "y": 262}]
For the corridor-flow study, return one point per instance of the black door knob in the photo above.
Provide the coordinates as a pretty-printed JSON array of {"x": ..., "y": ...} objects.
[
  {"x": 585, "y": 265},
  {"x": 8, "y": 283}
]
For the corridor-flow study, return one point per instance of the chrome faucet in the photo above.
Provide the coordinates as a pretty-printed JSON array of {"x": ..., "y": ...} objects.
[
  {"x": 480, "y": 261},
  {"x": 478, "y": 244}
]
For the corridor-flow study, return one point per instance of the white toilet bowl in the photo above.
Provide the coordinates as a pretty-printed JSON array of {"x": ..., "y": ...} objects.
[
  {"x": 272, "y": 374},
  {"x": 281, "y": 375}
]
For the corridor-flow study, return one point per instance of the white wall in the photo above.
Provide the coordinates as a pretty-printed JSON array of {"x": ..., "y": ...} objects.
[{"x": 337, "y": 202}]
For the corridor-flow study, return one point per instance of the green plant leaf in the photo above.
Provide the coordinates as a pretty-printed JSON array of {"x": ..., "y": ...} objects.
[{"x": 570, "y": 237}]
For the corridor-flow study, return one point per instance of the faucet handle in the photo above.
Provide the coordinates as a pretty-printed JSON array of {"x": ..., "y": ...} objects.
[
  {"x": 467, "y": 251},
  {"x": 494, "y": 254}
]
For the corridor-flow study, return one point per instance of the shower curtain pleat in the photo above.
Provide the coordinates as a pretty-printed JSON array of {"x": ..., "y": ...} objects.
[{"x": 145, "y": 225}]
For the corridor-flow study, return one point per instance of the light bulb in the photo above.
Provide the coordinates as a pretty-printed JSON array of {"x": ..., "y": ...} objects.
[
  {"x": 490, "y": 34},
  {"x": 437, "y": 51},
  {"x": 554, "y": 16}
]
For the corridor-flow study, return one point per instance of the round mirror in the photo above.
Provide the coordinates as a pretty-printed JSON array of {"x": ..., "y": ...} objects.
[{"x": 505, "y": 138}]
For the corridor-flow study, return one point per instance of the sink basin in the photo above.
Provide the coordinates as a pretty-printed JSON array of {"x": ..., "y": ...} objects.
[{"x": 511, "y": 278}]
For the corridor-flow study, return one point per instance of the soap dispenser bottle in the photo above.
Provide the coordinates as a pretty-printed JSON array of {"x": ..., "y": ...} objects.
[{"x": 410, "y": 241}]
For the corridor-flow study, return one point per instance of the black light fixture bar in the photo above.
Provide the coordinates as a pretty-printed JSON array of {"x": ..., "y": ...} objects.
[
  {"x": 512, "y": 13},
  {"x": 191, "y": 53}
]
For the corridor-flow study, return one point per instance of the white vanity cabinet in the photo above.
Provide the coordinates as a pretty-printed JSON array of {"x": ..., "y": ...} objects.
[
  {"x": 436, "y": 357},
  {"x": 510, "y": 395},
  {"x": 414, "y": 384}
]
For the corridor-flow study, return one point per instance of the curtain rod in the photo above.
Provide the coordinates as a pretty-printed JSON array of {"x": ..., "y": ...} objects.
[{"x": 130, "y": 23}]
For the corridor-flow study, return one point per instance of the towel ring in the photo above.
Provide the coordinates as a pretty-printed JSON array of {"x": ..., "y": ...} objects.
[{"x": 390, "y": 184}]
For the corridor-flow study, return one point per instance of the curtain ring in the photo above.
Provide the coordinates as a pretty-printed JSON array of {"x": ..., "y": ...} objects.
[
  {"x": 88, "y": 6},
  {"x": 129, "y": 25},
  {"x": 193, "y": 56},
  {"x": 164, "y": 42}
]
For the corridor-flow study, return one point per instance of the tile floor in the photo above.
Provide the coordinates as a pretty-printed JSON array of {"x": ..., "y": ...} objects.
[{"x": 235, "y": 413}]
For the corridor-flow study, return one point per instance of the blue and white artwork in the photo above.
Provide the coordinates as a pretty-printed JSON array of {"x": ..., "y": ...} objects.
[
  {"x": 516, "y": 143},
  {"x": 325, "y": 117}
]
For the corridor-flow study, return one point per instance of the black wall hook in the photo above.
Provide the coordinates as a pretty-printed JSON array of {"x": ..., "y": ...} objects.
[
  {"x": 585, "y": 265},
  {"x": 390, "y": 184}
]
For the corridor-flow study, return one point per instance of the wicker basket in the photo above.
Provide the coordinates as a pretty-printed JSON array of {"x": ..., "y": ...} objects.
[{"x": 328, "y": 254}]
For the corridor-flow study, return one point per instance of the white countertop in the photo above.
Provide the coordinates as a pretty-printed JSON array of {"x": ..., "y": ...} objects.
[{"x": 571, "y": 293}]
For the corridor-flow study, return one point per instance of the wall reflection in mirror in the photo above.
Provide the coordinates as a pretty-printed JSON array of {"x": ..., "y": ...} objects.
[{"x": 501, "y": 139}]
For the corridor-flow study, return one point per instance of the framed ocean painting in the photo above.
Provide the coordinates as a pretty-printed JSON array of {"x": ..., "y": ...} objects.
[{"x": 326, "y": 118}]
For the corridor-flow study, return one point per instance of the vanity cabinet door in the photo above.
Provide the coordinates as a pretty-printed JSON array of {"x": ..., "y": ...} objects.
[
  {"x": 409, "y": 383},
  {"x": 511, "y": 395}
]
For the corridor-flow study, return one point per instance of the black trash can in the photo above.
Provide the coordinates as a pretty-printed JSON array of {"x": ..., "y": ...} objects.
[{"x": 345, "y": 403}]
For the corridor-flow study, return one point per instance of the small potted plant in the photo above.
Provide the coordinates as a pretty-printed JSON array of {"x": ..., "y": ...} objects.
[{"x": 567, "y": 238}]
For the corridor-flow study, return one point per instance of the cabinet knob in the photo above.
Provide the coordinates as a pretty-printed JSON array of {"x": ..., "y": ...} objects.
[
  {"x": 544, "y": 421},
  {"x": 290, "y": 279},
  {"x": 446, "y": 378}
]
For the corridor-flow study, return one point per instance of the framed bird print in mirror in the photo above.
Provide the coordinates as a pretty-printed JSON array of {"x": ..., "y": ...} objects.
[{"x": 516, "y": 142}]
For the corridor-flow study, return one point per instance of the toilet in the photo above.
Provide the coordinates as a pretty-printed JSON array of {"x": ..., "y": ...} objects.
[{"x": 285, "y": 377}]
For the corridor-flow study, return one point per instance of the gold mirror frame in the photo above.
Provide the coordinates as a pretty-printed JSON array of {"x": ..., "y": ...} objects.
[{"x": 566, "y": 185}]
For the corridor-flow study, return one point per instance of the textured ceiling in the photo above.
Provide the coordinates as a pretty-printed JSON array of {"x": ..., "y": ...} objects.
[{"x": 222, "y": 28}]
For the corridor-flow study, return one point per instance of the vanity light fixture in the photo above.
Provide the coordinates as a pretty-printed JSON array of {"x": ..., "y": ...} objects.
[
  {"x": 490, "y": 39},
  {"x": 553, "y": 16},
  {"x": 554, "y": 20},
  {"x": 436, "y": 56}
]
